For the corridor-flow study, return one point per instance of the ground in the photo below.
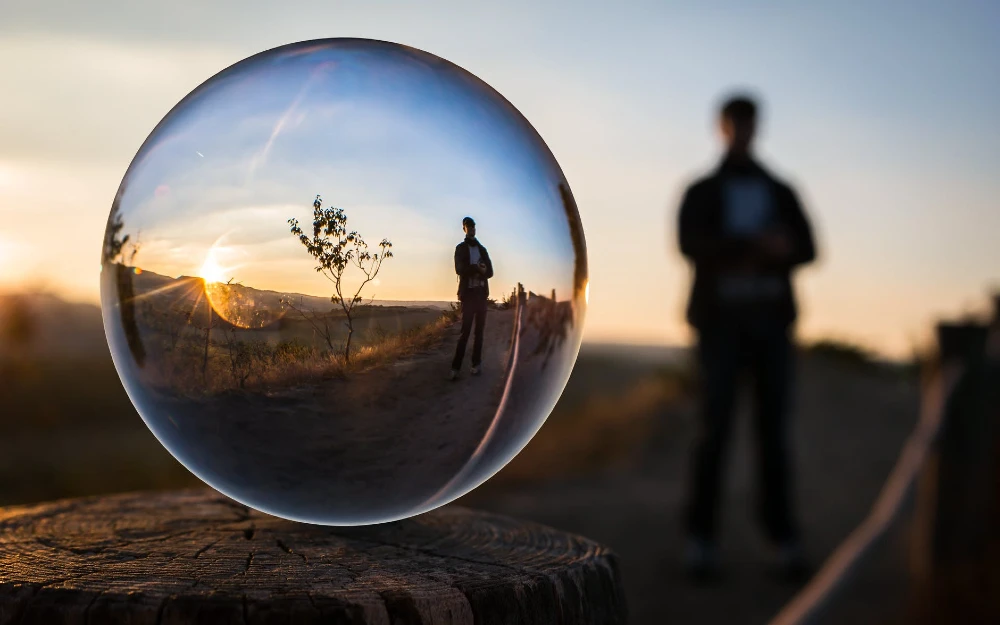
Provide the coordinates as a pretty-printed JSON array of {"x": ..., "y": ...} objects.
[
  {"x": 394, "y": 433},
  {"x": 609, "y": 464},
  {"x": 849, "y": 427}
]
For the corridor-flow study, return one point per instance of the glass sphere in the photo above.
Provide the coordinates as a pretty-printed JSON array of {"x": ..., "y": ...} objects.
[{"x": 288, "y": 280}]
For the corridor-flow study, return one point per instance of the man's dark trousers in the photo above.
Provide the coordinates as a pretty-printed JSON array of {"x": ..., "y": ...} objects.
[
  {"x": 473, "y": 312},
  {"x": 725, "y": 351}
]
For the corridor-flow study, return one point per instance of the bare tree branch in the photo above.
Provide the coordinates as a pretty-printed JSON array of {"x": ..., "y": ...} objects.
[{"x": 334, "y": 248}]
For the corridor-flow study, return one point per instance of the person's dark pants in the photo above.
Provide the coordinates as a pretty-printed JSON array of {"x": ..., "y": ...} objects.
[
  {"x": 473, "y": 313},
  {"x": 724, "y": 353}
]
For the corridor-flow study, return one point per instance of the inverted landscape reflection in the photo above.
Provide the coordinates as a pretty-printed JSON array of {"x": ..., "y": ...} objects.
[{"x": 297, "y": 304}]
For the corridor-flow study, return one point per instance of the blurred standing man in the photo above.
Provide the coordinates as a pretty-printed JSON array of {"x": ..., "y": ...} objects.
[
  {"x": 474, "y": 269},
  {"x": 744, "y": 231}
]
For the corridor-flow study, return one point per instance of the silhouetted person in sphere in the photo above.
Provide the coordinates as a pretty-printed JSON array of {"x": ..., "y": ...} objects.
[
  {"x": 745, "y": 232},
  {"x": 474, "y": 269}
]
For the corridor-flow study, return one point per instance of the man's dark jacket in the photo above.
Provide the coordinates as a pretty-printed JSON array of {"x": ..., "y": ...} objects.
[
  {"x": 465, "y": 269},
  {"x": 705, "y": 244}
]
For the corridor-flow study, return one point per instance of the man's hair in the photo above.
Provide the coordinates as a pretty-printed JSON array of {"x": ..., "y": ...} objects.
[
  {"x": 468, "y": 221},
  {"x": 739, "y": 108}
]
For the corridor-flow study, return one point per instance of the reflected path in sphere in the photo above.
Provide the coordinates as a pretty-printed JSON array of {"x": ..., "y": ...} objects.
[{"x": 402, "y": 428}]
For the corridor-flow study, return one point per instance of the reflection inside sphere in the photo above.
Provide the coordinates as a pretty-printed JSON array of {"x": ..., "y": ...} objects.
[{"x": 298, "y": 305}]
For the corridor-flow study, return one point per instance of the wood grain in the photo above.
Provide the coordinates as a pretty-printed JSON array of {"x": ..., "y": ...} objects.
[{"x": 198, "y": 557}]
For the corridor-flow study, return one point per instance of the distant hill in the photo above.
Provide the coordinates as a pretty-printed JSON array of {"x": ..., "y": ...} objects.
[
  {"x": 59, "y": 328},
  {"x": 44, "y": 325},
  {"x": 146, "y": 281}
]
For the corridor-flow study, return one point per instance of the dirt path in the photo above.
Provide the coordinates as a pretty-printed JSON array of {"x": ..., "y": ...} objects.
[
  {"x": 372, "y": 445},
  {"x": 849, "y": 427}
]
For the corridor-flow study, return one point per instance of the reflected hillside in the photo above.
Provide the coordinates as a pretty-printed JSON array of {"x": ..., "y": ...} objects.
[
  {"x": 204, "y": 336},
  {"x": 229, "y": 368},
  {"x": 339, "y": 408}
]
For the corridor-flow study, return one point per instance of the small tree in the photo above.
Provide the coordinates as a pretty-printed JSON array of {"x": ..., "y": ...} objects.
[
  {"x": 334, "y": 249},
  {"x": 246, "y": 357}
]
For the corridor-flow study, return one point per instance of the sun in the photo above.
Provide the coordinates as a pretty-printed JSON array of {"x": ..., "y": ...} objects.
[{"x": 211, "y": 271}]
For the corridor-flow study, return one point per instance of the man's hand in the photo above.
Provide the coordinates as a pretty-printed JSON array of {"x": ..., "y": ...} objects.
[
  {"x": 775, "y": 245},
  {"x": 482, "y": 267}
]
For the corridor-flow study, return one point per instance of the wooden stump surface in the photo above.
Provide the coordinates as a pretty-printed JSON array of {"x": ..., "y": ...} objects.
[{"x": 199, "y": 557}]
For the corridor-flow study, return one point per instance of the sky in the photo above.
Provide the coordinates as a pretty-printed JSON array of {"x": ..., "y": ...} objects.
[
  {"x": 882, "y": 115},
  {"x": 406, "y": 144}
]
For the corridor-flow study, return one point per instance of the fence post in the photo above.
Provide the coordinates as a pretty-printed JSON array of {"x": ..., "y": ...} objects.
[
  {"x": 519, "y": 303},
  {"x": 957, "y": 498},
  {"x": 993, "y": 339}
]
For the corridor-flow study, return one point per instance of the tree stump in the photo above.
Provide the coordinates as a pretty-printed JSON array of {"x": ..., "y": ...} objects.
[{"x": 197, "y": 557}]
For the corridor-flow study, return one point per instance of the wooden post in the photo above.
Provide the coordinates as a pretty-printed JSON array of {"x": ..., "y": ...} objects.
[
  {"x": 957, "y": 498},
  {"x": 993, "y": 340},
  {"x": 198, "y": 557},
  {"x": 960, "y": 341}
]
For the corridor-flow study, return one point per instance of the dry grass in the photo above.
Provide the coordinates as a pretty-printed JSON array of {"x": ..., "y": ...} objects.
[
  {"x": 605, "y": 432},
  {"x": 255, "y": 364},
  {"x": 394, "y": 347}
]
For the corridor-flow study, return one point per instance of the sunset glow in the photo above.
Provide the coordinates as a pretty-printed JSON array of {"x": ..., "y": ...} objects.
[
  {"x": 211, "y": 271},
  {"x": 905, "y": 234}
]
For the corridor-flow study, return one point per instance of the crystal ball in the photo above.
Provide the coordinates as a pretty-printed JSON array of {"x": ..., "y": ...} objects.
[{"x": 344, "y": 281}]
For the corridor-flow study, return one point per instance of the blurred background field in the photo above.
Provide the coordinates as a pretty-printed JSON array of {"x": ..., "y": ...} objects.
[
  {"x": 70, "y": 429},
  {"x": 610, "y": 462}
]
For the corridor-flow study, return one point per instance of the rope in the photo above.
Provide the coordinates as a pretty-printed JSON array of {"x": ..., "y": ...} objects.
[{"x": 807, "y": 604}]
